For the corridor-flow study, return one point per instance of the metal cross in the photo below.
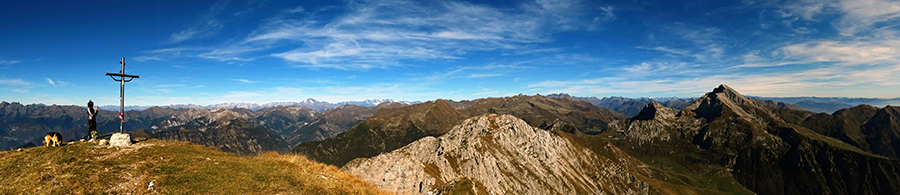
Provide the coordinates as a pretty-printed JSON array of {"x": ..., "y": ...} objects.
[{"x": 121, "y": 79}]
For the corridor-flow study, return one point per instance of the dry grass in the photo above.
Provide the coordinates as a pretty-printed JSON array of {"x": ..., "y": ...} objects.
[{"x": 173, "y": 167}]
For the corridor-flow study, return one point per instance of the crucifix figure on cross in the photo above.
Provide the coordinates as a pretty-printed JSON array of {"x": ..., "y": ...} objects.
[{"x": 122, "y": 80}]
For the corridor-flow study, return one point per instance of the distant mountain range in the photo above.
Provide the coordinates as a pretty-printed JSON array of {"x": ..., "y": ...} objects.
[
  {"x": 832, "y": 104},
  {"x": 276, "y": 128},
  {"x": 318, "y": 106},
  {"x": 720, "y": 143},
  {"x": 631, "y": 106}
]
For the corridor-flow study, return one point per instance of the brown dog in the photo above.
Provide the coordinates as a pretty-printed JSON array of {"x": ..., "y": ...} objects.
[{"x": 52, "y": 139}]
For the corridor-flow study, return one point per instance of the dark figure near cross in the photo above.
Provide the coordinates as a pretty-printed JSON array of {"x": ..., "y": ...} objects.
[{"x": 92, "y": 119}]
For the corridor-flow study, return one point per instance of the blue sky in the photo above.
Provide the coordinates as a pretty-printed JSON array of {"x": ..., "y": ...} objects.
[{"x": 207, "y": 52}]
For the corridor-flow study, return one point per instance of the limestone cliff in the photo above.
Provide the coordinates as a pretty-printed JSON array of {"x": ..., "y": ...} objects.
[
  {"x": 727, "y": 135},
  {"x": 501, "y": 154}
]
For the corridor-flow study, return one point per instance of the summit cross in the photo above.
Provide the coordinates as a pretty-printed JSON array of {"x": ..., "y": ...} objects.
[{"x": 122, "y": 80}]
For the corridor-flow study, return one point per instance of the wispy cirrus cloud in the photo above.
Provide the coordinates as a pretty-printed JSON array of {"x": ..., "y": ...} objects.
[
  {"x": 383, "y": 33},
  {"x": 855, "y": 16},
  {"x": 479, "y": 71},
  {"x": 56, "y": 83},
  {"x": 205, "y": 29},
  {"x": 846, "y": 52},
  {"x": 244, "y": 80},
  {"x": 206, "y": 25},
  {"x": 14, "y": 82},
  {"x": 16, "y": 85},
  {"x": 9, "y": 62}
]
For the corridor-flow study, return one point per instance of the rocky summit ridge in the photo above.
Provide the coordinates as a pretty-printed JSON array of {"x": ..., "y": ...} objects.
[
  {"x": 727, "y": 134},
  {"x": 392, "y": 128},
  {"x": 500, "y": 154}
]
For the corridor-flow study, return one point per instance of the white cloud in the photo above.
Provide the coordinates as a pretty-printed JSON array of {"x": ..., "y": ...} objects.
[
  {"x": 855, "y": 16},
  {"x": 297, "y": 9},
  {"x": 243, "y": 80},
  {"x": 9, "y": 62},
  {"x": 806, "y": 9},
  {"x": 56, "y": 83},
  {"x": 51, "y": 82},
  {"x": 206, "y": 29},
  {"x": 383, "y": 34},
  {"x": 851, "y": 52},
  {"x": 864, "y": 14},
  {"x": 483, "y": 75},
  {"x": 206, "y": 25},
  {"x": 829, "y": 81},
  {"x": 240, "y": 96},
  {"x": 147, "y": 58},
  {"x": 386, "y": 32},
  {"x": 479, "y": 71},
  {"x": 14, "y": 82}
]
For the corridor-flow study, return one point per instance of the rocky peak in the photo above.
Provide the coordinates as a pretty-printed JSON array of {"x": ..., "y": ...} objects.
[
  {"x": 725, "y": 100},
  {"x": 389, "y": 105},
  {"x": 500, "y": 154},
  {"x": 655, "y": 110}
]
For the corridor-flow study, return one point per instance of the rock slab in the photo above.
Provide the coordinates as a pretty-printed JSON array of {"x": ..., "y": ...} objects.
[
  {"x": 500, "y": 154},
  {"x": 120, "y": 139}
]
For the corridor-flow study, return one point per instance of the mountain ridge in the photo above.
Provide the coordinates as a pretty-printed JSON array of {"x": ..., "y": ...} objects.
[
  {"x": 393, "y": 128},
  {"x": 500, "y": 154},
  {"x": 763, "y": 152}
]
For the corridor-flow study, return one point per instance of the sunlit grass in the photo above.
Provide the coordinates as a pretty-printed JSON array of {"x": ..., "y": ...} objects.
[{"x": 173, "y": 167}]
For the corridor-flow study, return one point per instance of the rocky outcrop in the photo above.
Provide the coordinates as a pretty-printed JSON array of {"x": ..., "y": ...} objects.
[
  {"x": 119, "y": 139},
  {"x": 543, "y": 112},
  {"x": 500, "y": 154},
  {"x": 387, "y": 130},
  {"x": 655, "y": 123},
  {"x": 743, "y": 140},
  {"x": 392, "y": 128}
]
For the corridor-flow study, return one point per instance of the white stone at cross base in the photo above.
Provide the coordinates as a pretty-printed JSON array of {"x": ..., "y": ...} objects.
[{"x": 120, "y": 139}]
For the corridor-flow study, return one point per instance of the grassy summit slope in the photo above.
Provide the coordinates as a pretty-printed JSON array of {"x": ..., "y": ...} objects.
[{"x": 172, "y": 167}]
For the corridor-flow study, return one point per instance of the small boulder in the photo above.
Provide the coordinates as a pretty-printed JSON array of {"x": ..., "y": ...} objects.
[
  {"x": 104, "y": 142},
  {"x": 120, "y": 139}
]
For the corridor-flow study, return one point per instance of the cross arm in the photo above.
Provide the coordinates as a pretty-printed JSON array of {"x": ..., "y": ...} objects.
[
  {"x": 114, "y": 75},
  {"x": 122, "y": 75}
]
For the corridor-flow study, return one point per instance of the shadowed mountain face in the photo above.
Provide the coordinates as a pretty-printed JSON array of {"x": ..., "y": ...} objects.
[
  {"x": 21, "y": 124},
  {"x": 543, "y": 112},
  {"x": 283, "y": 121},
  {"x": 333, "y": 122},
  {"x": 388, "y": 129},
  {"x": 728, "y": 134},
  {"x": 231, "y": 135},
  {"x": 883, "y": 132},
  {"x": 628, "y": 106},
  {"x": 393, "y": 128},
  {"x": 231, "y": 129},
  {"x": 865, "y": 127}
]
